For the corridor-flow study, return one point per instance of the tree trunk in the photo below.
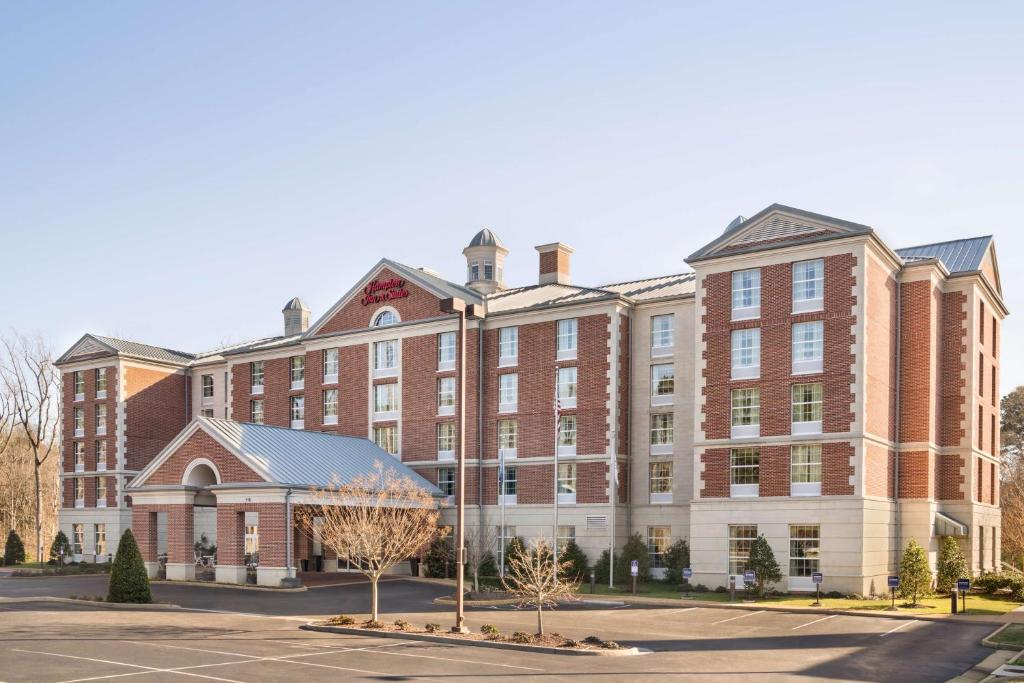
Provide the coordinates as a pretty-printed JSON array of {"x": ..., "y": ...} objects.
[
  {"x": 476, "y": 579},
  {"x": 373, "y": 597},
  {"x": 540, "y": 618},
  {"x": 39, "y": 508}
]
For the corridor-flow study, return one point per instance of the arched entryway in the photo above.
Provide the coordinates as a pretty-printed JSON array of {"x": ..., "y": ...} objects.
[{"x": 201, "y": 475}]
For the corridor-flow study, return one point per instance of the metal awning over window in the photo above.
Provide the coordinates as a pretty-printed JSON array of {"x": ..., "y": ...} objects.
[{"x": 947, "y": 526}]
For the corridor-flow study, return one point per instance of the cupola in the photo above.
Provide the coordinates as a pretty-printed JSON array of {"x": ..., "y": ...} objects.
[{"x": 485, "y": 262}]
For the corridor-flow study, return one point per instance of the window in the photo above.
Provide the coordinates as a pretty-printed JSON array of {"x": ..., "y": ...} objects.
[
  {"x": 508, "y": 393},
  {"x": 662, "y": 334},
  {"x": 995, "y": 339},
  {"x": 566, "y": 387},
  {"x": 79, "y": 421},
  {"x": 508, "y": 346},
  {"x": 207, "y": 388},
  {"x": 474, "y": 270},
  {"x": 385, "y": 318},
  {"x": 567, "y": 435},
  {"x": 445, "y": 441},
  {"x": 741, "y": 537},
  {"x": 981, "y": 374},
  {"x": 993, "y": 484},
  {"x": 446, "y": 396},
  {"x": 808, "y": 285},
  {"x": 746, "y": 294},
  {"x": 804, "y": 546},
  {"x": 446, "y": 351},
  {"x": 101, "y": 456},
  {"x": 660, "y": 482},
  {"x": 744, "y": 472},
  {"x": 981, "y": 480},
  {"x": 330, "y": 366},
  {"x": 805, "y": 470},
  {"x": 79, "y": 378},
  {"x": 256, "y": 411},
  {"x": 79, "y": 492},
  {"x": 488, "y": 270},
  {"x": 79, "y": 449},
  {"x": 385, "y": 401},
  {"x": 386, "y": 438},
  {"x": 981, "y": 547},
  {"x": 100, "y": 536},
  {"x": 662, "y": 435},
  {"x": 981, "y": 323},
  {"x": 995, "y": 393},
  {"x": 566, "y": 343},
  {"x": 507, "y": 485},
  {"x": 330, "y": 406},
  {"x": 566, "y": 535},
  {"x": 101, "y": 420},
  {"x": 567, "y": 483},
  {"x": 385, "y": 358},
  {"x": 298, "y": 412},
  {"x": 508, "y": 438},
  {"x": 256, "y": 376},
  {"x": 981, "y": 428},
  {"x": 806, "y": 409},
  {"x": 808, "y": 347},
  {"x": 207, "y": 412},
  {"x": 446, "y": 480},
  {"x": 101, "y": 492},
  {"x": 101, "y": 382},
  {"x": 663, "y": 384},
  {"x": 992, "y": 436},
  {"x": 657, "y": 545},
  {"x": 77, "y": 538},
  {"x": 298, "y": 371},
  {"x": 746, "y": 353},
  {"x": 746, "y": 412},
  {"x": 252, "y": 536}
]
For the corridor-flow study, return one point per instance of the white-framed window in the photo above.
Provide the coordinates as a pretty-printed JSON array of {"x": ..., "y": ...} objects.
[
  {"x": 567, "y": 435},
  {"x": 746, "y": 412},
  {"x": 385, "y": 318},
  {"x": 256, "y": 369},
  {"x": 207, "y": 381},
  {"x": 567, "y": 483},
  {"x": 508, "y": 439},
  {"x": 804, "y": 551},
  {"x": 207, "y": 412},
  {"x": 101, "y": 420},
  {"x": 446, "y": 396},
  {"x": 663, "y": 384},
  {"x": 660, "y": 481},
  {"x": 385, "y": 401},
  {"x": 808, "y": 347},
  {"x": 488, "y": 270},
  {"x": 746, "y": 353},
  {"x": 256, "y": 411},
  {"x": 805, "y": 470},
  {"x": 566, "y": 535},
  {"x": 746, "y": 294},
  {"x": 298, "y": 412},
  {"x": 330, "y": 366},
  {"x": 474, "y": 271},
  {"x": 101, "y": 492},
  {"x": 663, "y": 334},
  {"x": 446, "y": 480},
  {"x": 806, "y": 408},
  {"x": 662, "y": 433},
  {"x": 567, "y": 340},
  {"x": 445, "y": 441},
  {"x": 509, "y": 485},
  {"x": 330, "y": 406},
  {"x": 100, "y": 538},
  {"x": 508, "y": 393},
  {"x": 79, "y": 450},
  {"x": 77, "y": 538},
  {"x": 79, "y": 380},
  {"x": 566, "y": 387},
  {"x": 385, "y": 358},
  {"x": 658, "y": 542},
  {"x": 298, "y": 371},
  {"x": 508, "y": 346},
  {"x": 741, "y": 538},
  {"x": 808, "y": 285},
  {"x": 386, "y": 438},
  {"x": 446, "y": 351},
  {"x": 101, "y": 383},
  {"x": 78, "y": 415},
  {"x": 251, "y": 539},
  {"x": 744, "y": 472},
  {"x": 101, "y": 456},
  {"x": 79, "y": 492}
]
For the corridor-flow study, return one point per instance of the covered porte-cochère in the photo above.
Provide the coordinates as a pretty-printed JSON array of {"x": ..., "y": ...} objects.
[{"x": 220, "y": 501}]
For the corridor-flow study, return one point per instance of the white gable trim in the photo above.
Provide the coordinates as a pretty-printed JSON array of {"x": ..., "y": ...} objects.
[
  {"x": 777, "y": 224},
  {"x": 86, "y": 346}
]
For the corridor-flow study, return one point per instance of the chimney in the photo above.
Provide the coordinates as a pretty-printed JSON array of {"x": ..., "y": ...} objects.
[
  {"x": 296, "y": 317},
  {"x": 554, "y": 263}
]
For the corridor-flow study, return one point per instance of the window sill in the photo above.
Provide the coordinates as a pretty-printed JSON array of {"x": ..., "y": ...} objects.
[
  {"x": 79, "y": 504},
  {"x": 298, "y": 424},
  {"x": 663, "y": 400},
  {"x": 101, "y": 467},
  {"x": 661, "y": 449},
  {"x": 444, "y": 411},
  {"x": 746, "y": 431},
  {"x": 662, "y": 351},
  {"x": 799, "y": 428},
  {"x": 566, "y": 450},
  {"x": 101, "y": 395},
  {"x": 79, "y": 469},
  {"x": 207, "y": 400},
  {"x": 256, "y": 389},
  {"x": 101, "y": 431},
  {"x": 330, "y": 379},
  {"x": 385, "y": 416},
  {"x": 507, "y": 500},
  {"x": 805, "y": 489},
  {"x": 79, "y": 432},
  {"x": 744, "y": 490},
  {"x": 748, "y": 313},
  {"x": 752, "y": 372},
  {"x": 807, "y": 367},
  {"x": 298, "y": 385},
  {"x": 447, "y": 366},
  {"x": 446, "y": 456},
  {"x": 566, "y": 354},
  {"x": 567, "y": 403},
  {"x": 508, "y": 362},
  {"x": 101, "y": 503},
  {"x": 331, "y": 420},
  {"x": 505, "y": 408},
  {"x": 508, "y": 453},
  {"x": 808, "y": 306},
  {"x": 381, "y": 373},
  {"x": 79, "y": 397}
]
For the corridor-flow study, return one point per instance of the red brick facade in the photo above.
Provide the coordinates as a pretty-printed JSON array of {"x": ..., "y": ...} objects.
[
  {"x": 202, "y": 445},
  {"x": 418, "y": 305}
]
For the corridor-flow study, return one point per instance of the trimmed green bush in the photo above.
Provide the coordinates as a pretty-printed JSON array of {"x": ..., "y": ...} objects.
[
  {"x": 129, "y": 581},
  {"x": 677, "y": 558},
  {"x": 14, "y": 549},
  {"x": 440, "y": 559},
  {"x": 951, "y": 565},
  {"x": 60, "y": 545},
  {"x": 579, "y": 568},
  {"x": 915, "y": 575},
  {"x": 635, "y": 549},
  {"x": 516, "y": 547},
  {"x": 762, "y": 560},
  {"x": 601, "y": 568},
  {"x": 488, "y": 565}
]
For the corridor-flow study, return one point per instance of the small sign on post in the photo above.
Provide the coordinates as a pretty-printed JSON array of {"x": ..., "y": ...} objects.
[
  {"x": 749, "y": 576},
  {"x": 634, "y": 571},
  {"x": 963, "y": 585},
  {"x": 894, "y": 583},
  {"x": 816, "y": 579},
  {"x": 687, "y": 573}
]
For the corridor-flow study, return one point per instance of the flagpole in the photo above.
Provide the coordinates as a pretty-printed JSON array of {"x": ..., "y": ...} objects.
[
  {"x": 613, "y": 490},
  {"x": 558, "y": 419},
  {"x": 501, "y": 499}
]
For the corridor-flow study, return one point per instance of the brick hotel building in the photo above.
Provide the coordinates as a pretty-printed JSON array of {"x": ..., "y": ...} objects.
[{"x": 805, "y": 381}]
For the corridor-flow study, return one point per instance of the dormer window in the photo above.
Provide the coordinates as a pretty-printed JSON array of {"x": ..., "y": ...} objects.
[
  {"x": 385, "y": 318},
  {"x": 488, "y": 270},
  {"x": 474, "y": 270}
]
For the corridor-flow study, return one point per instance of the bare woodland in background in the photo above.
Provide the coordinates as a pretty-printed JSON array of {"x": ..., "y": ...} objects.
[
  {"x": 29, "y": 442},
  {"x": 1011, "y": 494}
]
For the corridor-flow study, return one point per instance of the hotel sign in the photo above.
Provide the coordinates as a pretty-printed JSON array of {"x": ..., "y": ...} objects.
[{"x": 379, "y": 291}]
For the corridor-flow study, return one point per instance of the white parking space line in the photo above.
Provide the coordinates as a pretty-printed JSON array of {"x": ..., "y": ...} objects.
[
  {"x": 452, "y": 659},
  {"x": 742, "y": 616},
  {"x": 898, "y": 628},
  {"x": 816, "y": 621},
  {"x": 680, "y": 611},
  {"x": 148, "y": 669}
]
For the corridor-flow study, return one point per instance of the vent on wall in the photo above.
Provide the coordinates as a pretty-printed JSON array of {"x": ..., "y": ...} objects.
[
  {"x": 597, "y": 521},
  {"x": 775, "y": 228}
]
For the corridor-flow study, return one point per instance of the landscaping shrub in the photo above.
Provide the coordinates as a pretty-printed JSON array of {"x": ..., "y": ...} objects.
[
  {"x": 579, "y": 569},
  {"x": 592, "y": 640},
  {"x": 611, "y": 645},
  {"x": 994, "y": 582},
  {"x": 571, "y": 643},
  {"x": 14, "y": 549},
  {"x": 516, "y": 547},
  {"x": 341, "y": 620},
  {"x": 835, "y": 595},
  {"x": 401, "y": 624},
  {"x": 721, "y": 589},
  {"x": 60, "y": 547},
  {"x": 129, "y": 581},
  {"x": 522, "y": 638},
  {"x": 915, "y": 575},
  {"x": 490, "y": 630},
  {"x": 951, "y": 565},
  {"x": 635, "y": 549},
  {"x": 700, "y": 588},
  {"x": 601, "y": 568},
  {"x": 488, "y": 565},
  {"x": 373, "y": 624},
  {"x": 440, "y": 559},
  {"x": 762, "y": 561},
  {"x": 677, "y": 558},
  {"x": 433, "y": 628}
]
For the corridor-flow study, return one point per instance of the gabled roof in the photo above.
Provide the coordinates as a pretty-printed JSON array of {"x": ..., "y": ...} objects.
[
  {"x": 660, "y": 287},
  {"x": 958, "y": 256},
  {"x": 784, "y": 225},
  {"x": 94, "y": 344},
  {"x": 291, "y": 457},
  {"x": 521, "y": 298}
]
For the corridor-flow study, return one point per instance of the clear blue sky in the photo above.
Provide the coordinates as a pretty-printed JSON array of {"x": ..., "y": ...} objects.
[{"x": 175, "y": 172}]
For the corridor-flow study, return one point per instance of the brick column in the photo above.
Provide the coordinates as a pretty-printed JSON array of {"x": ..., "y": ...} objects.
[
  {"x": 230, "y": 544},
  {"x": 180, "y": 543}
]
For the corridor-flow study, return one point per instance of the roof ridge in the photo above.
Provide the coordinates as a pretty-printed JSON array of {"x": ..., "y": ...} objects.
[{"x": 287, "y": 429}]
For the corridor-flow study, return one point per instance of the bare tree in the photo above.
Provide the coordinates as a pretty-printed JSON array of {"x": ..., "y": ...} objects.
[
  {"x": 1011, "y": 490},
  {"x": 535, "y": 578},
  {"x": 376, "y": 521},
  {"x": 479, "y": 541},
  {"x": 32, "y": 381}
]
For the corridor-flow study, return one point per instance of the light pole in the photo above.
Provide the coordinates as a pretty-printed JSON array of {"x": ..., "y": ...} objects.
[{"x": 474, "y": 311}]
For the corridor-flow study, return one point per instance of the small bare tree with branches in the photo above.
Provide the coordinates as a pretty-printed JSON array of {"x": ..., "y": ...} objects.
[
  {"x": 375, "y": 521},
  {"x": 535, "y": 578},
  {"x": 480, "y": 538}
]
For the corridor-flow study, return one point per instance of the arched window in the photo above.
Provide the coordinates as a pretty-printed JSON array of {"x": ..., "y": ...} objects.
[{"x": 385, "y": 318}]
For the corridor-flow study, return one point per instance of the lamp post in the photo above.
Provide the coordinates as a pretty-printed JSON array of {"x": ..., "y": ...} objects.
[{"x": 474, "y": 311}]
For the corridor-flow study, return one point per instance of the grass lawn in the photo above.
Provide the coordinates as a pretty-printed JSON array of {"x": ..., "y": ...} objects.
[
  {"x": 976, "y": 604},
  {"x": 1012, "y": 635}
]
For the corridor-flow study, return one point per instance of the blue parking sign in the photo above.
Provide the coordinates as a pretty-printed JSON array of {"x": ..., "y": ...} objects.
[
  {"x": 749, "y": 576},
  {"x": 817, "y": 578},
  {"x": 963, "y": 585},
  {"x": 894, "y": 582},
  {"x": 687, "y": 573}
]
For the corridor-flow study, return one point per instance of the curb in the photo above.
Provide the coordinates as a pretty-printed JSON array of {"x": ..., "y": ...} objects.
[
  {"x": 401, "y": 635},
  {"x": 214, "y": 584},
  {"x": 40, "y": 575},
  {"x": 989, "y": 640},
  {"x": 95, "y": 603}
]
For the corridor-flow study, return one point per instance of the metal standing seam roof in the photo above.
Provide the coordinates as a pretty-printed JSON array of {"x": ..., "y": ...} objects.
[
  {"x": 541, "y": 295},
  {"x": 145, "y": 350},
  {"x": 303, "y": 458},
  {"x": 959, "y": 256},
  {"x": 655, "y": 287}
]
